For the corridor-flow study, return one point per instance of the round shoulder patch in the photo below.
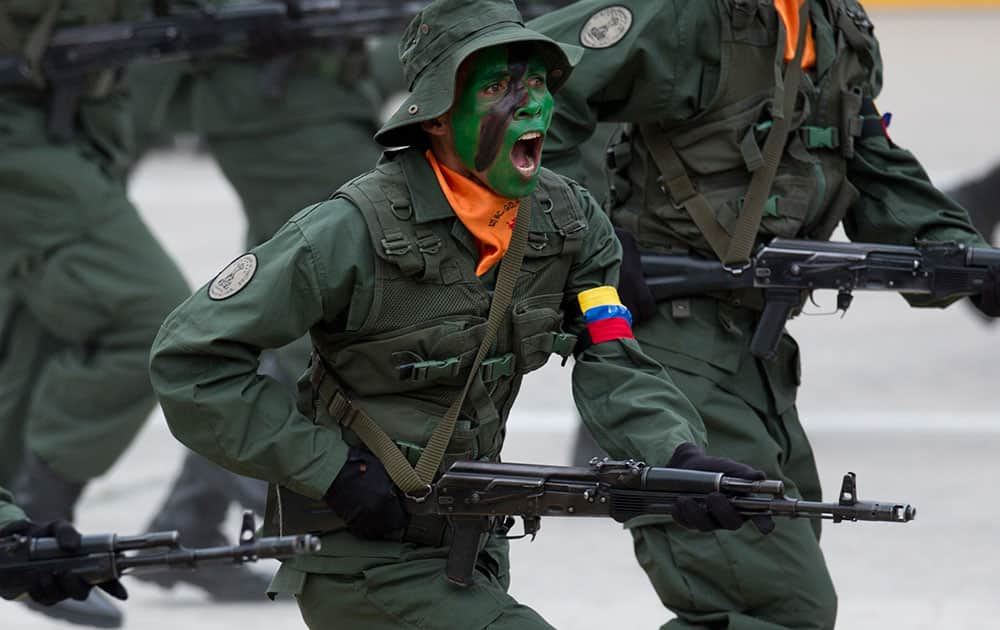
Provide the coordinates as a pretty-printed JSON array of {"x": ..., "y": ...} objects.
[
  {"x": 233, "y": 278},
  {"x": 607, "y": 27}
]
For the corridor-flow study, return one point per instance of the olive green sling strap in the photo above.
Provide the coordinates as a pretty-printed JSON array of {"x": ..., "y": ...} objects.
[
  {"x": 416, "y": 480},
  {"x": 736, "y": 251},
  {"x": 33, "y": 47}
]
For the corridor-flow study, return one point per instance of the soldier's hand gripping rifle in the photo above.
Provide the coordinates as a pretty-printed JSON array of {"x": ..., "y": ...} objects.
[
  {"x": 473, "y": 494},
  {"x": 787, "y": 269},
  {"x": 105, "y": 557}
]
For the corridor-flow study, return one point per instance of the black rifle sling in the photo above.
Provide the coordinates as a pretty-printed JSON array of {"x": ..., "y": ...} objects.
[
  {"x": 414, "y": 480},
  {"x": 735, "y": 250}
]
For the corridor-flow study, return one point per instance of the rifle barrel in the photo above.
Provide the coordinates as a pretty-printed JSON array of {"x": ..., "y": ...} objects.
[{"x": 859, "y": 511}]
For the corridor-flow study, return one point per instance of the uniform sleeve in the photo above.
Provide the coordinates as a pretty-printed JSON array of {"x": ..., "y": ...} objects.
[
  {"x": 626, "y": 399},
  {"x": 662, "y": 68},
  {"x": 316, "y": 271},
  {"x": 898, "y": 204},
  {"x": 8, "y": 511}
]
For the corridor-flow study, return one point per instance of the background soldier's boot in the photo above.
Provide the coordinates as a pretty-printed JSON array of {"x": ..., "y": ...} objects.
[
  {"x": 96, "y": 611},
  {"x": 196, "y": 507},
  {"x": 979, "y": 197},
  {"x": 45, "y": 495},
  {"x": 42, "y": 493},
  {"x": 585, "y": 448}
]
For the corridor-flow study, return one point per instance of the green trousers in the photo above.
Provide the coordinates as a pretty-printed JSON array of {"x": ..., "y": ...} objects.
[
  {"x": 85, "y": 288},
  {"x": 409, "y": 591},
  {"x": 737, "y": 580}
]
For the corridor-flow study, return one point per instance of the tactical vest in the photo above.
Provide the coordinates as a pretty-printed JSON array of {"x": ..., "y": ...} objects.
[
  {"x": 720, "y": 148},
  {"x": 410, "y": 358}
]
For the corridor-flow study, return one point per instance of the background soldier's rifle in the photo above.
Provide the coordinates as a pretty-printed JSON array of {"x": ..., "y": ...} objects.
[
  {"x": 75, "y": 55},
  {"x": 473, "y": 494},
  {"x": 787, "y": 269},
  {"x": 105, "y": 557}
]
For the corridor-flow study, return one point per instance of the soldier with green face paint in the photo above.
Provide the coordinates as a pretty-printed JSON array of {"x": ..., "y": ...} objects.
[
  {"x": 740, "y": 119},
  {"x": 429, "y": 287}
]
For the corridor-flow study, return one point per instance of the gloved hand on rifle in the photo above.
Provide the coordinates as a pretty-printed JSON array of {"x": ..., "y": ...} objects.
[
  {"x": 50, "y": 588},
  {"x": 716, "y": 512},
  {"x": 366, "y": 498},
  {"x": 989, "y": 300}
]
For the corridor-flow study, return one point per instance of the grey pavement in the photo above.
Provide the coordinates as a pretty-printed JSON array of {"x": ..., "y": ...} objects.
[{"x": 902, "y": 397}]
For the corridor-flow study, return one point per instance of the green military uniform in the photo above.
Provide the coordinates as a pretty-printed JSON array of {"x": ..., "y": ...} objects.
[
  {"x": 9, "y": 512},
  {"x": 383, "y": 278},
  {"x": 85, "y": 284},
  {"x": 696, "y": 81}
]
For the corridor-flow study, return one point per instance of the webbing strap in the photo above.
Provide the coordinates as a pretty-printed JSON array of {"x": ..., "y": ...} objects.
[
  {"x": 411, "y": 479},
  {"x": 745, "y": 233},
  {"x": 503, "y": 294},
  {"x": 34, "y": 46},
  {"x": 10, "y": 41},
  {"x": 680, "y": 188}
]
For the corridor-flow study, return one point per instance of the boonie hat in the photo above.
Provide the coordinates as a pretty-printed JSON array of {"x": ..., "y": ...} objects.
[{"x": 443, "y": 35}]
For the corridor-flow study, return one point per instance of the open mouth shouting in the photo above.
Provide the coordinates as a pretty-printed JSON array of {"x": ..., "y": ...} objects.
[{"x": 526, "y": 153}]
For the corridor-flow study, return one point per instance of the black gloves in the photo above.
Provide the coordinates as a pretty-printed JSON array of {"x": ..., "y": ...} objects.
[
  {"x": 365, "y": 497},
  {"x": 716, "y": 512},
  {"x": 632, "y": 287},
  {"x": 49, "y": 588},
  {"x": 989, "y": 300}
]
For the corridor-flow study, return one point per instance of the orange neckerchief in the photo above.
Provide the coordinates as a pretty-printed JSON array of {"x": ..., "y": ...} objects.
[
  {"x": 486, "y": 214},
  {"x": 789, "y": 12}
]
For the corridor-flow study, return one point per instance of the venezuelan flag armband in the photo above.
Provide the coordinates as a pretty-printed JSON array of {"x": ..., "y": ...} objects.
[{"x": 606, "y": 317}]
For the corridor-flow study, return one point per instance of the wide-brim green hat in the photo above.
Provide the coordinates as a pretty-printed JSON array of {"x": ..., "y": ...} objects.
[{"x": 440, "y": 38}]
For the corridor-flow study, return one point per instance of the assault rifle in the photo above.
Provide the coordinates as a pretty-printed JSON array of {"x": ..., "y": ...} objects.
[
  {"x": 104, "y": 557},
  {"x": 473, "y": 494},
  {"x": 787, "y": 269},
  {"x": 75, "y": 55}
]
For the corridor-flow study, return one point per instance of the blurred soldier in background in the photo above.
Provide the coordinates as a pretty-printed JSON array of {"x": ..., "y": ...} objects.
[
  {"x": 287, "y": 128},
  {"x": 85, "y": 285},
  {"x": 714, "y": 95},
  {"x": 981, "y": 197}
]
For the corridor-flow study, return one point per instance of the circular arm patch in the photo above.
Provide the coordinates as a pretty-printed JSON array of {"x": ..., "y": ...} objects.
[{"x": 233, "y": 278}]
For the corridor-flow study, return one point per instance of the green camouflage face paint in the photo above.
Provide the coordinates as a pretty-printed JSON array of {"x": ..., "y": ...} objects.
[{"x": 500, "y": 119}]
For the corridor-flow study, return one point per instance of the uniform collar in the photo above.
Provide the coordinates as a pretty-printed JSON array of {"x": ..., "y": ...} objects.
[{"x": 428, "y": 202}]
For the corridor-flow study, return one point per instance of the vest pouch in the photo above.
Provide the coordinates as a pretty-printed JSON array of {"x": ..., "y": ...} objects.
[
  {"x": 721, "y": 157},
  {"x": 717, "y": 145},
  {"x": 464, "y": 444},
  {"x": 410, "y": 421},
  {"x": 411, "y": 358},
  {"x": 537, "y": 323}
]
